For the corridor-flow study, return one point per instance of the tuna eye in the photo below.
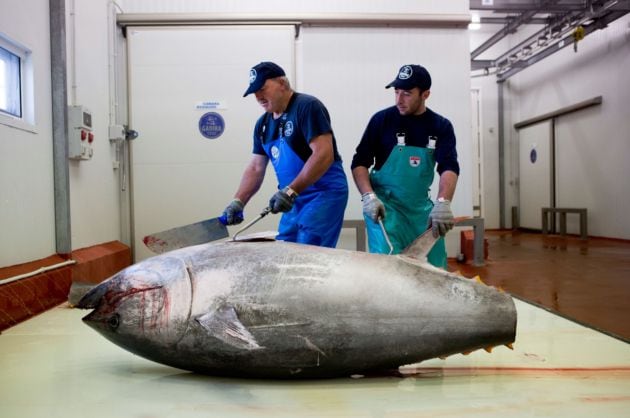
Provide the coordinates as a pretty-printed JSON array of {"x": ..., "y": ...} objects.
[{"x": 114, "y": 321}]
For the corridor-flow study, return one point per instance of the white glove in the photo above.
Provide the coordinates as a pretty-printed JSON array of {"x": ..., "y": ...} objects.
[
  {"x": 373, "y": 208},
  {"x": 441, "y": 218}
]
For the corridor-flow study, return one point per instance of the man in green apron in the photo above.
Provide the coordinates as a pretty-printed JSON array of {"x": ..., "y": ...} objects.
[{"x": 403, "y": 145}]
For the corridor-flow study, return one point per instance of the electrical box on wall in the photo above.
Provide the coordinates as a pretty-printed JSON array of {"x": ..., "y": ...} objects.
[{"x": 80, "y": 135}]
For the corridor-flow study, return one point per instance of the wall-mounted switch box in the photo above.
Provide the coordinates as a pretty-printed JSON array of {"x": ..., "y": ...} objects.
[{"x": 80, "y": 135}]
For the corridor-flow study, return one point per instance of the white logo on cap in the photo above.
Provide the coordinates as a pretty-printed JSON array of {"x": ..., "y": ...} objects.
[
  {"x": 405, "y": 72},
  {"x": 252, "y": 75}
]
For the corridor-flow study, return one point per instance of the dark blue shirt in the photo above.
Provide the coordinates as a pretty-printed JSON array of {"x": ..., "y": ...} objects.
[
  {"x": 380, "y": 138},
  {"x": 304, "y": 119}
]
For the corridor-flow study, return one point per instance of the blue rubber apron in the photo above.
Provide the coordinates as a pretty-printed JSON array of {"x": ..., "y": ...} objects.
[
  {"x": 317, "y": 214},
  {"x": 403, "y": 184}
]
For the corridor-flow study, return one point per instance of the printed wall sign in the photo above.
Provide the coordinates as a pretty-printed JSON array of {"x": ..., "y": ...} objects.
[
  {"x": 211, "y": 125},
  {"x": 211, "y": 104}
]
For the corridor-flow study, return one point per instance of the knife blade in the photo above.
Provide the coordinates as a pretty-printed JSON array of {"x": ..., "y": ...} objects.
[{"x": 186, "y": 235}]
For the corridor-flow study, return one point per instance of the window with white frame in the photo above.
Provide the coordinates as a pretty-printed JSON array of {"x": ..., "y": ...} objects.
[
  {"x": 17, "y": 107},
  {"x": 10, "y": 83}
]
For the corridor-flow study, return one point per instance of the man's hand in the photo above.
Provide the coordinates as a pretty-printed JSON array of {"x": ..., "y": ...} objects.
[
  {"x": 441, "y": 218},
  {"x": 373, "y": 208},
  {"x": 283, "y": 200},
  {"x": 233, "y": 213}
]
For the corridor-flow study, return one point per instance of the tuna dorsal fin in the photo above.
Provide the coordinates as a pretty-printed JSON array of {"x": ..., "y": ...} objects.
[
  {"x": 419, "y": 249},
  {"x": 223, "y": 323}
]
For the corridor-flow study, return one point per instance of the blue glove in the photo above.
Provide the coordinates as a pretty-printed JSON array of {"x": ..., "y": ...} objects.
[
  {"x": 283, "y": 200},
  {"x": 441, "y": 218},
  {"x": 233, "y": 213},
  {"x": 373, "y": 208}
]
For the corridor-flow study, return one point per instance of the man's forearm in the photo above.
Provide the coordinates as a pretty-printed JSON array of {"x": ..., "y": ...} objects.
[
  {"x": 251, "y": 181},
  {"x": 448, "y": 182},
  {"x": 317, "y": 164},
  {"x": 361, "y": 177}
]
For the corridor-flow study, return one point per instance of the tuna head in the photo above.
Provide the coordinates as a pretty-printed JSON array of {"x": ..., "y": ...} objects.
[{"x": 135, "y": 308}]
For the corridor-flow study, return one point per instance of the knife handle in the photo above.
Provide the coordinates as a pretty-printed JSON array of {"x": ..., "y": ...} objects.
[{"x": 238, "y": 215}]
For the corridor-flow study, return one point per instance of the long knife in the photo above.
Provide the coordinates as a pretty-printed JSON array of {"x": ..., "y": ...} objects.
[{"x": 187, "y": 235}]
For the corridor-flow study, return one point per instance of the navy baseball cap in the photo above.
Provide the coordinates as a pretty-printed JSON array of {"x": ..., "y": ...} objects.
[
  {"x": 410, "y": 76},
  {"x": 261, "y": 73}
]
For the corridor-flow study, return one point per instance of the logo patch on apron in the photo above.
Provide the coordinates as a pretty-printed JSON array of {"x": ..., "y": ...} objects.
[
  {"x": 275, "y": 152},
  {"x": 288, "y": 129},
  {"x": 414, "y": 161}
]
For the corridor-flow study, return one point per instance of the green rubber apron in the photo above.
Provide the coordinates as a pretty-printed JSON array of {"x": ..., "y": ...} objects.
[{"x": 403, "y": 184}]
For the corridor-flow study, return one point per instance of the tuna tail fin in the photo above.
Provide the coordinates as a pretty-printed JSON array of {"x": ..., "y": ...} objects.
[
  {"x": 223, "y": 323},
  {"x": 420, "y": 247}
]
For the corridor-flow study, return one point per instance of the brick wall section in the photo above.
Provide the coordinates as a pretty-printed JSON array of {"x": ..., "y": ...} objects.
[
  {"x": 25, "y": 298},
  {"x": 467, "y": 244},
  {"x": 97, "y": 263}
]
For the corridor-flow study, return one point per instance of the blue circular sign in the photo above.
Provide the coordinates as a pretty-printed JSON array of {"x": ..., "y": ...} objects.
[
  {"x": 211, "y": 125},
  {"x": 533, "y": 155}
]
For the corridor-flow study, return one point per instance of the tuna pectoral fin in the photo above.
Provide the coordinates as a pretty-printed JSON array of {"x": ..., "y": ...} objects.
[{"x": 225, "y": 325}]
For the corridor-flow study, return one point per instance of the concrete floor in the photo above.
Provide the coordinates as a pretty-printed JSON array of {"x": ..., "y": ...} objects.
[{"x": 55, "y": 366}]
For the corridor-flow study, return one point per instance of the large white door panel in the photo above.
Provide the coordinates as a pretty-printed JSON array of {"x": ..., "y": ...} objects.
[
  {"x": 580, "y": 178},
  {"x": 178, "y": 175},
  {"x": 169, "y": 132},
  {"x": 534, "y": 173}
]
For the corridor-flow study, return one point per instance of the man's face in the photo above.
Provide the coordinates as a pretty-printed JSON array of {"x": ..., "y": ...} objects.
[
  {"x": 411, "y": 102},
  {"x": 270, "y": 96}
]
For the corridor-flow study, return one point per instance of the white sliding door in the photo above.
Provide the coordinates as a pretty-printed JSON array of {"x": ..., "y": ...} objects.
[{"x": 195, "y": 128}]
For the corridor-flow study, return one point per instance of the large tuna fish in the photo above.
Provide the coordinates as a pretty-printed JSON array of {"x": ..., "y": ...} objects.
[{"x": 277, "y": 309}]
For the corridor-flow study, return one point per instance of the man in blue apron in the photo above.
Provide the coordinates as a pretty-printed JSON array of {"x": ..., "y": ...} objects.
[
  {"x": 295, "y": 134},
  {"x": 403, "y": 144}
]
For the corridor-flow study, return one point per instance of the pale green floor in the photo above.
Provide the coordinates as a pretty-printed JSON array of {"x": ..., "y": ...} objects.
[{"x": 55, "y": 366}]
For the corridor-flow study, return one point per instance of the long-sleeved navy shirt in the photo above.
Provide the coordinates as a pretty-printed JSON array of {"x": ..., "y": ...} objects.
[{"x": 380, "y": 137}]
